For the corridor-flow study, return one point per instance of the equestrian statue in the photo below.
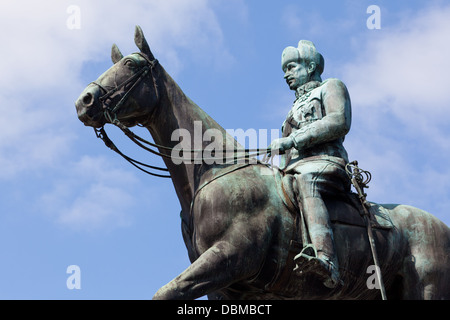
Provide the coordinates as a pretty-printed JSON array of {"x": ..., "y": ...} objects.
[{"x": 257, "y": 231}]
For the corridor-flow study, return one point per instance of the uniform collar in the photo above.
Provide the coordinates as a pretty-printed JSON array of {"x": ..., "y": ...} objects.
[{"x": 307, "y": 87}]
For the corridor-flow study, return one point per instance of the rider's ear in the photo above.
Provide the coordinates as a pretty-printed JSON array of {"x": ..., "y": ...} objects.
[
  {"x": 312, "y": 67},
  {"x": 116, "y": 55},
  {"x": 141, "y": 43}
]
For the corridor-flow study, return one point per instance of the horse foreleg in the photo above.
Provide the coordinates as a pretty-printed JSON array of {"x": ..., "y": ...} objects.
[{"x": 218, "y": 267}]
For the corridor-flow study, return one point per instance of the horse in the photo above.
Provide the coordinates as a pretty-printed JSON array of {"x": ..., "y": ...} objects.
[{"x": 239, "y": 221}]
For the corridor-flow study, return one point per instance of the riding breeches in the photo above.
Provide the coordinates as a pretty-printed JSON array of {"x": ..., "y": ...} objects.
[
  {"x": 316, "y": 177},
  {"x": 320, "y": 175}
]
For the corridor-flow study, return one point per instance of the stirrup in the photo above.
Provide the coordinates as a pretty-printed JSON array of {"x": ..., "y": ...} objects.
[
  {"x": 305, "y": 254},
  {"x": 331, "y": 279}
]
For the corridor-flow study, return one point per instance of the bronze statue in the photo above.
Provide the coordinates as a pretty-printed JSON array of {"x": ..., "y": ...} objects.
[
  {"x": 313, "y": 135},
  {"x": 241, "y": 222}
]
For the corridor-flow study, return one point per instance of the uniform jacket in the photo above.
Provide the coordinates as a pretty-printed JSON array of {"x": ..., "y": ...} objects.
[{"x": 318, "y": 121}]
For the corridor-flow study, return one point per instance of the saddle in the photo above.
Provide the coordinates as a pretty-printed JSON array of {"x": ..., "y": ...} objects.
[
  {"x": 344, "y": 208},
  {"x": 352, "y": 213}
]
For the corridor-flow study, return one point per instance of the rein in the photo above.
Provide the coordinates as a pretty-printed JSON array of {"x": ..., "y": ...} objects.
[
  {"x": 101, "y": 133},
  {"x": 110, "y": 113}
]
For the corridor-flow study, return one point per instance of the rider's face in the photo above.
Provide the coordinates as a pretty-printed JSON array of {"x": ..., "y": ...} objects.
[{"x": 295, "y": 74}]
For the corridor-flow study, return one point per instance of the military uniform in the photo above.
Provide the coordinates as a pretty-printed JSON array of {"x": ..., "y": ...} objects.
[
  {"x": 317, "y": 124},
  {"x": 311, "y": 136}
]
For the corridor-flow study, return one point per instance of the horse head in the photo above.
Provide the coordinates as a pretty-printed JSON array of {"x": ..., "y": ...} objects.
[{"x": 126, "y": 92}]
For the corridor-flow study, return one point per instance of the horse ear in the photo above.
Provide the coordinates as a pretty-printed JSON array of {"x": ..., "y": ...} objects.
[
  {"x": 141, "y": 43},
  {"x": 116, "y": 55}
]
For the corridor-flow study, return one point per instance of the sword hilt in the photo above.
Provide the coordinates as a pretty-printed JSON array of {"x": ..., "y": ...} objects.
[{"x": 359, "y": 178}]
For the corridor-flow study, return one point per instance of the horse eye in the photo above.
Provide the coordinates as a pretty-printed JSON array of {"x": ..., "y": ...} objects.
[{"x": 130, "y": 63}]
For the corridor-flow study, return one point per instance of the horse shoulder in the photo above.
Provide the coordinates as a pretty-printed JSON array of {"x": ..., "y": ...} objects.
[{"x": 235, "y": 207}]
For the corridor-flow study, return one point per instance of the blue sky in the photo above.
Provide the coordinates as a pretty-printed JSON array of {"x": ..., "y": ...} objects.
[{"x": 65, "y": 199}]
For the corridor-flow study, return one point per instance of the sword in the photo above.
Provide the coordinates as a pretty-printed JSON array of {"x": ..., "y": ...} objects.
[{"x": 360, "y": 179}]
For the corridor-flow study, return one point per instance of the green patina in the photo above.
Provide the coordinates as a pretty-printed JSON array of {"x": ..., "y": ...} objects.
[{"x": 242, "y": 224}]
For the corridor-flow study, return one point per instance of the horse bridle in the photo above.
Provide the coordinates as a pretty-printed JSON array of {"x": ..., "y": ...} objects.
[{"x": 110, "y": 113}]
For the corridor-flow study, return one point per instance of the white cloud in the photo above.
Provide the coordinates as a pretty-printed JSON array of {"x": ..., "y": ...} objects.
[
  {"x": 43, "y": 59},
  {"x": 100, "y": 206},
  {"x": 43, "y": 72},
  {"x": 404, "y": 70},
  {"x": 92, "y": 195},
  {"x": 400, "y": 100}
]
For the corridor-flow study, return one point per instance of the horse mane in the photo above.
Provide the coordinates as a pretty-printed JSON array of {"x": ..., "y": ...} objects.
[{"x": 176, "y": 111}]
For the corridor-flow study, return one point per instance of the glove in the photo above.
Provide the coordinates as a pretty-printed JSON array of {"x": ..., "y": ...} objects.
[{"x": 279, "y": 146}]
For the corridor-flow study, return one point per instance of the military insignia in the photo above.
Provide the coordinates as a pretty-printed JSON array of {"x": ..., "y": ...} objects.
[
  {"x": 303, "y": 97},
  {"x": 308, "y": 110}
]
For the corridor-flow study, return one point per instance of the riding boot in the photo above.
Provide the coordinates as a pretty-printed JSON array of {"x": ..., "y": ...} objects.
[{"x": 323, "y": 260}]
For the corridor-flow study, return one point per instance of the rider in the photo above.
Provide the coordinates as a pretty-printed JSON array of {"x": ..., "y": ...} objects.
[{"x": 312, "y": 144}]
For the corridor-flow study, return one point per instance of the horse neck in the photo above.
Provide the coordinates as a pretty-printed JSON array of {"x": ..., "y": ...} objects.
[{"x": 176, "y": 111}]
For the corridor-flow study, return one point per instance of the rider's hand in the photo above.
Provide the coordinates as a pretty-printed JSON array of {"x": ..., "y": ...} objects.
[{"x": 280, "y": 145}]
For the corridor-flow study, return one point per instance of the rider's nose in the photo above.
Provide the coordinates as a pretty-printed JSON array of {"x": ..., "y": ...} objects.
[{"x": 88, "y": 99}]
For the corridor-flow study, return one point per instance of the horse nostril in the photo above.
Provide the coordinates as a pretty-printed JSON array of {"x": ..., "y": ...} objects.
[{"x": 88, "y": 99}]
